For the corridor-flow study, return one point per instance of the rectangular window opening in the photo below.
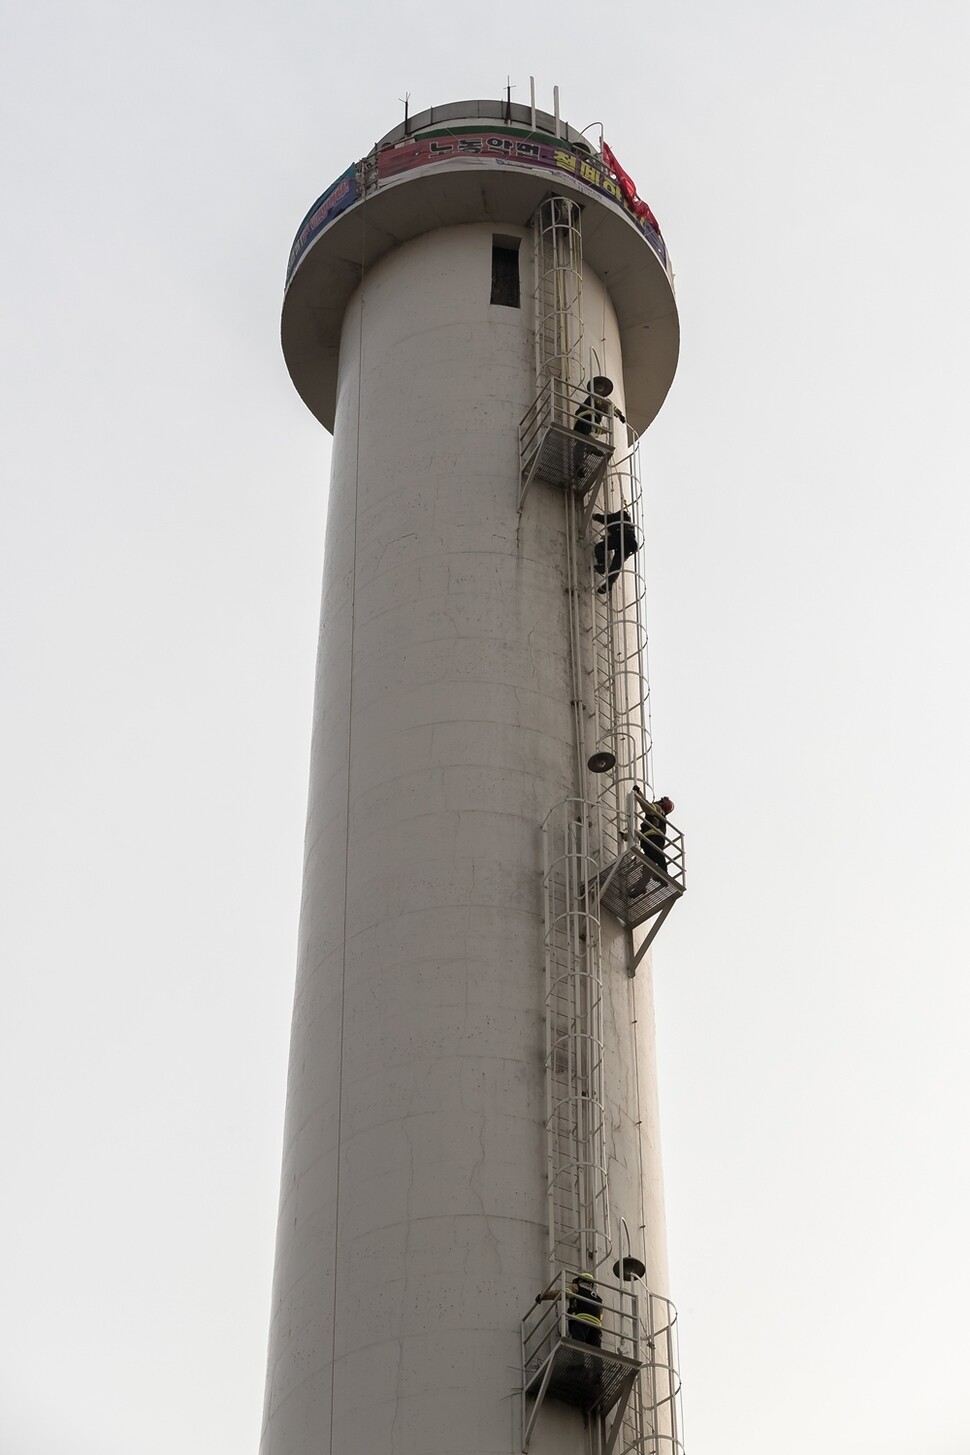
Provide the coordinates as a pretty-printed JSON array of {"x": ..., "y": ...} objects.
[{"x": 505, "y": 271}]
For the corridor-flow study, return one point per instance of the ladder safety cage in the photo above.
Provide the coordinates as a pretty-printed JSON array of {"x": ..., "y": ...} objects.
[
  {"x": 577, "y": 1188},
  {"x": 651, "y": 1423},
  {"x": 558, "y": 291},
  {"x": 594, "y": 858},
  {"x": 550, "y": 448},
  {"x": 620, "y": 690},
  {"x": 633, "y": 884}
]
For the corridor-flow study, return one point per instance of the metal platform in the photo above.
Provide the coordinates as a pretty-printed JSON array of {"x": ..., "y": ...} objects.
[
  {"x": 563, "y": 458},
  {"x": 596, "y": 1380},
  {"x": 551, "y": 448},
  {"x": 635, "y": 889},
  {"x": 587, "y": 1378}
]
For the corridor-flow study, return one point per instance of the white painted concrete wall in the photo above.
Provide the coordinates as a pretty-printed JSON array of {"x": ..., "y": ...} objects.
[{"x": 412, "y": 1232}]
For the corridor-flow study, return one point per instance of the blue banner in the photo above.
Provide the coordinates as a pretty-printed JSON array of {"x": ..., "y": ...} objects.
[{"x": 336, "y": 198}]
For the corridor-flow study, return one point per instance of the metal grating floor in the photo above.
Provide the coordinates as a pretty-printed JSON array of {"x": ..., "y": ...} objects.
[
  {"x": 571, "y": 461},
  {"x": 589, "y": 1379},
  {"x": 636, "y": 890}
]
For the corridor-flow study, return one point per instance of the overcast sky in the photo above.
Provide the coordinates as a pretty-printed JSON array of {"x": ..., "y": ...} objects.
[{"x": 164, "y": 506}]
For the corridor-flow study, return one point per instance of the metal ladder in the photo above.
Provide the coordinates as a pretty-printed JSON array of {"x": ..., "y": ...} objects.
[
  {"x": 558, "y": 296},
  {"x": 578, "y": 1198},
  {"x": 577, "y": 1187},
  {"x": 580, "y": 837},
  {"x": 588, "y": 832},
  {"x": 617, "y": 652}
]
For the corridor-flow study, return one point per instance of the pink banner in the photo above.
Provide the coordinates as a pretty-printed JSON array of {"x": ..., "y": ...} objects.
[{"x": 412, "y": 156}]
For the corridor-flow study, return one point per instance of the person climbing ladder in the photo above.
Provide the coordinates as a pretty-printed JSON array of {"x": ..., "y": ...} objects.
[{"x": 620, "y": 540}]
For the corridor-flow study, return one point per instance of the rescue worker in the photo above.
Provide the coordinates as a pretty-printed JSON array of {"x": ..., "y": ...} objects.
[
  {"x": 621, "y": 539},
  {"x": 589, "y": 418},
  {"x": 583, "y": 1305},
  {"x": 653, "y": 832},
  {"x": 596, "y": 406},
  {"x": 583, "y": 1308}
]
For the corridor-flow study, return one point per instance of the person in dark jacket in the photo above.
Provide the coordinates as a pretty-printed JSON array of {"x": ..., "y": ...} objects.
[
  {"x": 595, "y": 407},
  {"x": 653, "y": 832},
  {"x": 620, "y": 539},
  {"x": 589, "y": 417},
  {"x": 584, "y": 1308}
]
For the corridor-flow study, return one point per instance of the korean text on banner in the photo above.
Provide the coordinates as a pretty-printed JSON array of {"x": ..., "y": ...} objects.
[{"x": 336, "y": 198}]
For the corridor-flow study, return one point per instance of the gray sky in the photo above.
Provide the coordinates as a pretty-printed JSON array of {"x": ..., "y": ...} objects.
[{"x": 164, "y": 505}]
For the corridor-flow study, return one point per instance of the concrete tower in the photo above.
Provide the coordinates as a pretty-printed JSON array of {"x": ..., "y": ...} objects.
[{"x": 471, "y": 1111}]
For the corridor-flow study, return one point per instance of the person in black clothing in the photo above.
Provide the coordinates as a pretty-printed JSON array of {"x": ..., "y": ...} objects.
[
  {"x": 595, "y": 407},
  {"x": 621, "y": 540},
  {"x": 585, "y": 1310},
  {"x": 589, "y": 417},
  {"x": 653, "y": 832}
]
